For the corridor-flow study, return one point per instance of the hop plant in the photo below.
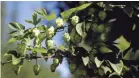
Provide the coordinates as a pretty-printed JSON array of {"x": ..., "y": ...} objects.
[
  {"x": 36, "y": 32},
  {"x": 50, "y": 44},
  {"x": 50, "y": 31},
  {"x": 66, "y": 37},
  {"x": 59, "y": 22},
  {"x": 36, "y": 69},
  {"x": 74, "y": 20}
]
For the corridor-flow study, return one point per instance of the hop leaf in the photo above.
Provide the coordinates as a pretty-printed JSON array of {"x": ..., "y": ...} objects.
[{"x": 122, "y": 43}]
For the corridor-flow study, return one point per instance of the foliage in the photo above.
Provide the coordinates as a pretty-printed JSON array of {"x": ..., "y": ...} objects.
[{"x": 89, "y": 49}]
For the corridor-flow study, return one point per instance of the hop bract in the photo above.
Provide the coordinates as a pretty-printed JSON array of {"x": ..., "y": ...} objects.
[
  {"x": 59, "y": 22},
  {"x": 66, "y": 37},
  {"x": 36, "y": 32},
  {"x": 74, "y": 20},
  {"x": 51, "y": 31},
  {"x": 50, "y": 44}
]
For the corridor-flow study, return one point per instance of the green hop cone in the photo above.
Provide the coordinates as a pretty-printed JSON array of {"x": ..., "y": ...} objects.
[
  {"x": 59, "y": 22},
  {"x": 72, "y": 67},
  {"x": 36, "y": 32},
  {"x": 74, "y": 20},
  {"x": 100, "y": 28},
  {"x": 36, "y": 69},
  {"x": 53, "y": 67},
  {"x": 50, "y": 32},
  {"x": 66, "y": 37},
  {"x": 50, "y": 44},
  {"x": 102, "y": 15},
  {"x": 56, "y": 61}
]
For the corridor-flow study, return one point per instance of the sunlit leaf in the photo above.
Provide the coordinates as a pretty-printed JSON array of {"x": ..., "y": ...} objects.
[
  {"x": 11, "y": 40},
  {"x": 67, "y": 13},
  {"x": 79, "y": 29},
  {"x": 114, "y": 74},
  {"x": 85, "y": 60},
  {"x": 50, "y": 17},
  {"x": 106, "y": 69},
  {"x": 16, "y": 26},
  {"x": 122, "y": 43},
  {"x": 118, "y": 67},
  {"x": 104, "y": 49},
  {"x": 39, "y": 50},
  {"x": 15, "y": 60},
  {"x": 98, "y": 62},
  {"x": 129, "y": 55}
]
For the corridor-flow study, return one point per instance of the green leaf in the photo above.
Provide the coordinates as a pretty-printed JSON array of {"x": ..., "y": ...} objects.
[
  {"x": 85, "y": 60},
  {"x": 75, "y": 37},
  {"x": 39, "y": 50},
  {"x": 16, "y": 26},
  {"x": 43, "y": 12},
  {"x": 117, "y": 67},
  {"x": 102, "y": 15},
  {"x": 106, "y": 69},
  {"x": 28, "y": 21},
  {"x": 129, "y": 55},
  {"x": 128, "y": 10},
  {"x": 50, "y": 17},
  {"x": 41, "y": 27},
  {"x": 114, "y": 74},
  {"x": 21, "y": 48},
  {"x": 83, "y": 6},
  {"x": 17, "y": 33},
  {"x": 39, "y": 20},
  {"x": 62, "y": 48},
  {"x": 7, "y": 57},
  {"x": 17, "y": 68},
  {"x": 122, "y": 43},
  {"x": 104, "y": 49},
  {"x": 11, "y": 40},
  {"x": 15, "y": 60},
  {"x": 34, "y": 17},
  {"x": 79, "y": 29},
  {"x": 98, "y": 62},
  {"x": 67, "y": 13},
  {"x": 42, "y": 36}
]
